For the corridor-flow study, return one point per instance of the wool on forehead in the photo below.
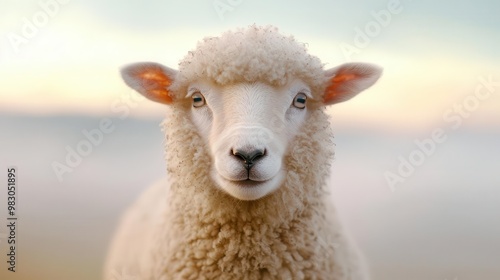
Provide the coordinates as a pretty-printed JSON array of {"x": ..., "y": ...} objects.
[{"x": 249, "y": 55}]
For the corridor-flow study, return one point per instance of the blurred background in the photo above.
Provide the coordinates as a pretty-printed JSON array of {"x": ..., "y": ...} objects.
[{"x": 416, "y": 174}]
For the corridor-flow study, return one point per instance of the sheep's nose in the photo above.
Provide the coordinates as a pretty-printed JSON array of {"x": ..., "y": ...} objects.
[{"x": 249, "y": 158}]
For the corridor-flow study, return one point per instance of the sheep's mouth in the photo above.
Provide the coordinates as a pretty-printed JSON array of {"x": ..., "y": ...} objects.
[
  {"x": 248, "y": 183},
  {"x": 248, "y": 189}
]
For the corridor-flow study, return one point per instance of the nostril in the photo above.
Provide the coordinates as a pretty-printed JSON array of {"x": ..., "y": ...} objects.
[
  {"x": 241, "y": 155},
  {"x": 257, "y": 154}
]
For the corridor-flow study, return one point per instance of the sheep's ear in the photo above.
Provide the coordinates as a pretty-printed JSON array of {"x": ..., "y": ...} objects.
[
  {"x": 347, "y": 80},
  {"x": 150, "y": 79}
]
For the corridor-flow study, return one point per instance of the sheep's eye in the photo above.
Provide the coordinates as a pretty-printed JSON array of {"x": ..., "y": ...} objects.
[
  {"x": 198, "y": 99},
  {"x": 300, "y": 101}
]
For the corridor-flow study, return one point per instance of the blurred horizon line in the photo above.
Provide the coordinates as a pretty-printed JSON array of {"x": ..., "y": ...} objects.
[{"x": 341, "y": 122}]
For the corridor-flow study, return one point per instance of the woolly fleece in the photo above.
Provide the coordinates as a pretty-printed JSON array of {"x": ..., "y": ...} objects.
[
  {"x": 189, "y": 229},
  {"x": 286, "y": 235},
  {"x": 251, "y": 54}
]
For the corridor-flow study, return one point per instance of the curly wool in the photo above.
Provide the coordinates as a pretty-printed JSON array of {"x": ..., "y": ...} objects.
[
  {"x": 206, "y": 234},
  {"x": 248, "y": 55},
  {"x": 187, "y": 228}
]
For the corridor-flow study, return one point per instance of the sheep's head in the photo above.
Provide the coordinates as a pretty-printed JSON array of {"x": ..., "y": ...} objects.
[
  {"x": 248, "y": 126},
  {"x": 247, "y": 122}
]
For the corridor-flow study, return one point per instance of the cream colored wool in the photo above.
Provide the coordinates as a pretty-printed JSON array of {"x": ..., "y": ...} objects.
[
  {"x": 251, "y": 54},
  {"x": 186, "y": 228},
  {"x": 286, "y": 235}
]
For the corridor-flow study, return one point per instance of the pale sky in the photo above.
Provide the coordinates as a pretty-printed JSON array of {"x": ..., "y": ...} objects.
[{"x": 64, "y": 58}]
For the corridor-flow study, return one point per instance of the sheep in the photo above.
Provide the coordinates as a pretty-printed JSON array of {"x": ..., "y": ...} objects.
[{"x": 248, "y": 148}]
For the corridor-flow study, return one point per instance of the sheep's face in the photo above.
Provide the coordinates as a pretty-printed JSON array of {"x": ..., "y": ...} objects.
[{"x": 247, "y": 128}]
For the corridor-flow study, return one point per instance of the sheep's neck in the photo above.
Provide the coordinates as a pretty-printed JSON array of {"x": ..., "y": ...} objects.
[
  {"x": 250, "y": 236},
  {"x": 209, "y": 229}
]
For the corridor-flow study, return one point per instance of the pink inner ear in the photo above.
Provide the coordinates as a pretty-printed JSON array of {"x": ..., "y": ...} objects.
[
  {"x": 344, "y": 77},
  {"x": 155, "y": 84},
  {"x": 336, "y": 90}
]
